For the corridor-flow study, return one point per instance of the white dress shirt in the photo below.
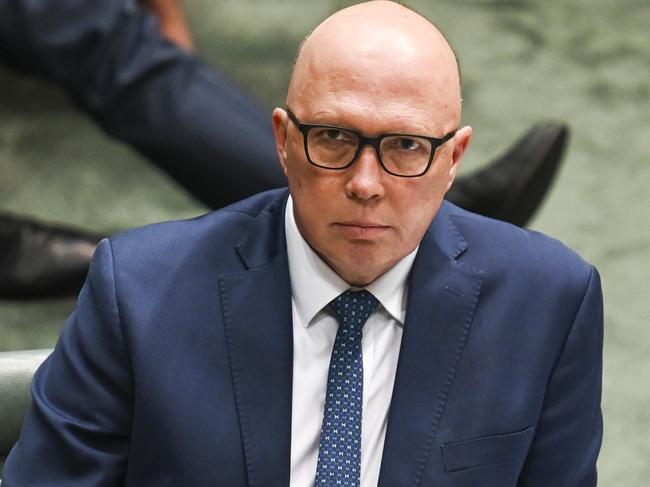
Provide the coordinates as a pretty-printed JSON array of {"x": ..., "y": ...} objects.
[{"x": 313, "y": 285}]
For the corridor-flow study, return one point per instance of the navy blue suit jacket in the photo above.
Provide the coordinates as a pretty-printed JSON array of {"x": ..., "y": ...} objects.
[{"x": 176, "y": 367}]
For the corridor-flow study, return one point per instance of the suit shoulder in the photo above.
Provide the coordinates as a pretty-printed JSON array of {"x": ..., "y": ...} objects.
[
  {"x": 496, "y": 245},
  {"x": 213, "y": 234}
]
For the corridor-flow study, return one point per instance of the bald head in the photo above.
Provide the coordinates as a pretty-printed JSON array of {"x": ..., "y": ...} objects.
[{"x": 385, "y": 49}]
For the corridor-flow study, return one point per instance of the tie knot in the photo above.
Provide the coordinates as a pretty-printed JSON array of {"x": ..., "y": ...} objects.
[{"x": 353, "y": 308}]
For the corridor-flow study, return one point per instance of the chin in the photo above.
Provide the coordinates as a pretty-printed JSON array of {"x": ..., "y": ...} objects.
[
  {"x": 364, "y": 270},
  {"x": 359, "y": 280}
]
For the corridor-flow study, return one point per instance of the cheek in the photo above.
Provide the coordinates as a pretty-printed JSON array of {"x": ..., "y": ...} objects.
[
  {"x": 303, "y": 181},
  {"x": 297, "y": 169},
  {"x": 315, "y": 194},
  {"x": 295, "y": 183},
  {"x": 314, "y": 187},
  {"x": 436, "y": 186},
  {"x": 417, "y": 205}
]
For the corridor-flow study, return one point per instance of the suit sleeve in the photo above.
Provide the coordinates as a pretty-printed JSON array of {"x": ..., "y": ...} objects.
[
  {"x": 569, "y": 433},
  {"x": 113, "y": 61},
  {"x": 76, "y": 432}
]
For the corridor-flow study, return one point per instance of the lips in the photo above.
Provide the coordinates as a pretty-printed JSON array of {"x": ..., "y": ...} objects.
[{"x": 362, "y": 229}]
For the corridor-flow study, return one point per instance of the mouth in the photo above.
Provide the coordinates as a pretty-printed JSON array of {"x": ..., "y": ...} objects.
[{"x": 362, "y": 229}]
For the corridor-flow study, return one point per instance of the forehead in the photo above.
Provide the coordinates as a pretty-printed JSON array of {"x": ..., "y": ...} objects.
[
  {"x": 374, "y": 100},
  {"x": 384, "y": 74}
]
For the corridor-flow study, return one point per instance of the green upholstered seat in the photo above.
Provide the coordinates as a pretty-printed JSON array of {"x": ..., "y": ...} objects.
[{"x": 16, "y": 371}]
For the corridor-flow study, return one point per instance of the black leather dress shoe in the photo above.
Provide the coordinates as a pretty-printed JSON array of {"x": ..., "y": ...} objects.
[
  {"x": 39, "y": 260},
  {"x": 512, "y": 187}
]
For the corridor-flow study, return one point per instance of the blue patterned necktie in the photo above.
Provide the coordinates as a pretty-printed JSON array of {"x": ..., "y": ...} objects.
[{"x": 339, "y": 452}]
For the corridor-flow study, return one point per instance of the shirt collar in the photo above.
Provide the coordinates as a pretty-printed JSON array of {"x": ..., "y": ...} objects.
[{"x": 314, "y": 284}]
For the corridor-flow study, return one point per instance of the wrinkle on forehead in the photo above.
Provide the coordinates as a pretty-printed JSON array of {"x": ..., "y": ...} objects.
[{"x": 383, "y": 51}]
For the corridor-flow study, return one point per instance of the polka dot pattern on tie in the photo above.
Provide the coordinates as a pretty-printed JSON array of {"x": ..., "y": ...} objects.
[{"x": 339, "y": 452}]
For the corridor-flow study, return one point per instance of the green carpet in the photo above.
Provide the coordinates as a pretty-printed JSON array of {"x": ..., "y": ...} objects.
[{"x": 582, "y": 61}]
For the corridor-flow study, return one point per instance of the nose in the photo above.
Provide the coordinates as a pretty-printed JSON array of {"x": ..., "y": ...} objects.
[{"x": 365, "y": 178}]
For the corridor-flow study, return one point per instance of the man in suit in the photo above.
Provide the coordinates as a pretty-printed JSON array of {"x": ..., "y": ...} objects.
[{"x": 356, "y": 330}]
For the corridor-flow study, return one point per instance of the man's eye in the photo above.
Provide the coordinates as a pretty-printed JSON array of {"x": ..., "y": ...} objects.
[
  {"x": 333, "y": 134},
  {"x": 330, "y": 136},
  {"x": 405, "y": 143}
]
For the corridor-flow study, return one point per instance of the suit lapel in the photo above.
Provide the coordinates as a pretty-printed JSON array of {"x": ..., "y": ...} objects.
[
  {"x": 257, "y": 315},
  {"x": 442, "y": 296}
]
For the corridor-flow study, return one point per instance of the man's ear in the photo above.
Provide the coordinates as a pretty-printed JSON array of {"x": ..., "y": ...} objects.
[
  {"x": 280, "y": 121},
  {"x": 461, "y": 142}
]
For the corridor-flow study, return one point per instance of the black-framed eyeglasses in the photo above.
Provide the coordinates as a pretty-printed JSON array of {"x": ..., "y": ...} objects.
[{"x": 337, "y": 148}]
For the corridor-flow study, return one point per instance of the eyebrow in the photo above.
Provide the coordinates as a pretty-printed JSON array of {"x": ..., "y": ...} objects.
[{"x": 420, "y": 131}]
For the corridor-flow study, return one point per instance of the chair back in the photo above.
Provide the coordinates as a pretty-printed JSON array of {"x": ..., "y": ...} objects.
[{"x": 16, "y": 371}]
